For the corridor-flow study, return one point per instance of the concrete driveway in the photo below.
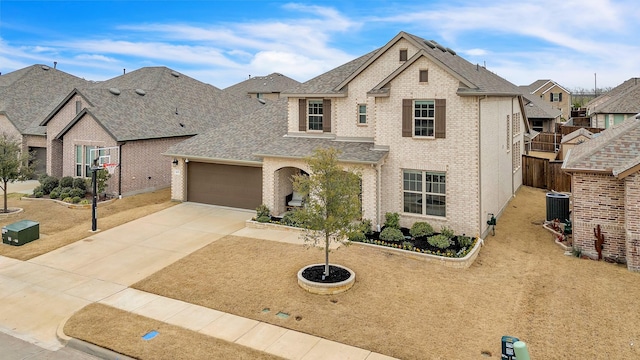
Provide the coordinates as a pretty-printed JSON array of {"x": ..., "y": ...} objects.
[{"x": 37, "y": 295}]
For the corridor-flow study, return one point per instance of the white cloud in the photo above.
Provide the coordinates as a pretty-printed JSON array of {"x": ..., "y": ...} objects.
[
  {"x": 475, "y": 52},
  {"x": 95, "y": 57}
]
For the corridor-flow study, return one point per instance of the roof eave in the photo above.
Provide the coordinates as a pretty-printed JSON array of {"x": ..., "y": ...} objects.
[
  {"x": 298, "y": 157},
  {"x": 315, "y": 95}
]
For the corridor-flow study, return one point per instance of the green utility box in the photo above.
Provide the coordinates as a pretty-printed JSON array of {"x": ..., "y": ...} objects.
[{"x": 21, "y": 232}]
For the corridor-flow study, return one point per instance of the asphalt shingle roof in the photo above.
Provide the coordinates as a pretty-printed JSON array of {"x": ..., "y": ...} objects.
[
  {"x": 614, "y": 151},
  {"x": 624, "y": 96},
  {"x": 29, "y": 94},
  {"x": 272, "y": 83},
  {"x": 536, "y": 108},
  {"x": 172, "y": 104}
]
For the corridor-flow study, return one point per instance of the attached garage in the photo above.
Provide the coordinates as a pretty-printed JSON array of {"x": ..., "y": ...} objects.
[{"x": 224, "y": 185}]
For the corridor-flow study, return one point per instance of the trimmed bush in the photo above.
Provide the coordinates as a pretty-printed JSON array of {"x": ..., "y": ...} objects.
[
  {"x": 357, "y": 236},
  {"x": 48, "y": 184},
  {"x": 447, "y": 231},
  {"x": 76, "y": 199},
  {"x": 391, "y": 234},
  {"x": 85, "y": 202},
  {"x": 54, "y": 194},
  {"x": 367, "y": 226},
  {"x": 262, "y": 211},
  {"x": 66, "y": 181},
  {"x": 79, "y": 183},
  {"x": 392, "y": 220},
  {"x": 291, "y": 218},
  {"x": 421, "y": 228},
  {"x": 439, "y": 241},
  {"x": 65, "y": 192},
  {"x": 38, "y": 194},
  {"x": 465, "y": 241},
  {"x": 76, "y": 192},
  {"x": 37, "y": 189},
  {"x": 68, "y": 200}
]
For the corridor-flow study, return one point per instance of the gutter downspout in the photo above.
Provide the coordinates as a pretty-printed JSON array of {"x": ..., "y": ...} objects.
[
  {"x": 480, "y": 165},
  {"x": 120, "y": 171},
  {"x": 378, "y": 195},
  {"x": 511, "y": 145}
]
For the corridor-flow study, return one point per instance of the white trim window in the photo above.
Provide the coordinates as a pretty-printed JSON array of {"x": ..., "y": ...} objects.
[
  {"x": 362, "y": 114},
  {"x": 314, "y": 115},
  {"x": 424, "y": 192},
  {"x": 424, "y": 118}
]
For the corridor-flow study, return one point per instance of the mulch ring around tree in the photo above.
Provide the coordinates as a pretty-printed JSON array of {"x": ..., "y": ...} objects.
[{"x": 316, "y": 274}]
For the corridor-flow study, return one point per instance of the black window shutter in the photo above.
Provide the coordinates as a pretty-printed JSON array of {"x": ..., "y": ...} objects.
[
  {"x": 326, "y": 115},
  {"x": 550, "y": 96},
  {"x": 560, "y": 97},
  {"x": 441, "y": 119},
  {"x": 302, "y": 115},
  {"x": 407, "y": 117}
]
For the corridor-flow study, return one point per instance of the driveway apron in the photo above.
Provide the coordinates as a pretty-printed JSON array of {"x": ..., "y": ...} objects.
[{"x": 37, "y": 295}]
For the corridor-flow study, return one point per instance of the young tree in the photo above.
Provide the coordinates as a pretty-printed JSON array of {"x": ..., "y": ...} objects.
[
  {"x": 15, "y": 165},
  {"x": 331, "y": 201}
]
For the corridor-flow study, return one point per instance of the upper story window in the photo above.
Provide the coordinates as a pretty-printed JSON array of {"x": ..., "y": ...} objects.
[
  {"x": 424, "y": 76},
  {"x": 403, "y": 55},
  {"x": 424, "y": 118},
  {"x": 362, "y": 114},
  {"x": 555, "y": 97},
  {"x": 315, "y": 114}
]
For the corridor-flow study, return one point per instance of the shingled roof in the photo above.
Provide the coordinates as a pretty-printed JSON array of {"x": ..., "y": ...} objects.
[
  {"x": 617, "y": 97},
  {"x": 536, "y": 108},
  {"x": 616, "y": 151},
  {"x": 272, "y": 83},
  {"x": 29, "y": 94},
  {"x": 157, "y": 102},
  {"x": 475, "y": 79}
]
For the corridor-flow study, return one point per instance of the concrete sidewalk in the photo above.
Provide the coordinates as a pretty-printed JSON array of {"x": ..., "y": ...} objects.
[{"x": 39, "y": 294}]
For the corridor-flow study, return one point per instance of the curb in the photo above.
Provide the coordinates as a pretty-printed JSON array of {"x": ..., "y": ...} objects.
[{"x": 85, "y": 347}]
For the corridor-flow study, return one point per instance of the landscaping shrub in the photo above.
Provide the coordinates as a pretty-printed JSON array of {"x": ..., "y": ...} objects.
[
  {"x": 85, "y": 202},
  {"x": 66, "y": 181},
  {"x": 54, "y": 194},
  {"x": 76, "y": 199},
  {"x": 291, "y": 218},
  {"x": 48, "y": 184},
  {"x": 367, "y": 226},
  {"x": 76, "y": 192},
  {"x": 448, "y": 232},
  {"x": 439, "y": 241},
  {"x": 37, "y": 189},
  {"x": 65, "y": 192},
  {"x": 80, "y": 183},
  {"x": 421, "y": 228},
  {"x": 263, "y": 214},
  {"x": 356, "y": 236},
  {"x": 38, "y": 194},
  {"x": 392, "y": 220},
  {"x": 67, "y": 200},
  {"x": 465, "y": 241},
  {"x": 391, "y": 234}
]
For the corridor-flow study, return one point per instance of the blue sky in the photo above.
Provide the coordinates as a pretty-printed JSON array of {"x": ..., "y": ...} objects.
[{"x": 223, "y": 42}]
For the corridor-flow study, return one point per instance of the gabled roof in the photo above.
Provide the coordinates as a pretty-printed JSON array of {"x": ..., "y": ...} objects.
[
  {"x": 616, "y": 151},
  {"x": 580, "y": 132},
  {"x": 273, "y": 83},
  {"x": 475, "y": 79},
  {"x": 595, "y": 104},
  {"x": 544, "y": 86},
  {"x": 625, "y": 101},
  {"x": 156, "y": 102},
  {"x": 536, "y": 108},
  {"x": 29, "y": 94}
]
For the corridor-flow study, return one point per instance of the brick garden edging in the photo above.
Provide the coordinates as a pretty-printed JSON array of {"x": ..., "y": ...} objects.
[{"x": 460, "y": 263}]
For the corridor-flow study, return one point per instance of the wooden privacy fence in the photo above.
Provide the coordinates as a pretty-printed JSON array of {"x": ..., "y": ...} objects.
[
  {"x": 549, "y": 142},
  {"x": 545, "y": 174}
]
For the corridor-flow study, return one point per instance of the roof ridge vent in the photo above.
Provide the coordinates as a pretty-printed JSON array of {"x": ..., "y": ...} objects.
[
  {"x": 451, "y": 51},
  {"x": 429, "y": 44},
  {"x": 175, "y": 73},
  {"x": 114, "y": 91},
  {"x": 141, "y": 92},
  {"x": 442, "y": 48}
]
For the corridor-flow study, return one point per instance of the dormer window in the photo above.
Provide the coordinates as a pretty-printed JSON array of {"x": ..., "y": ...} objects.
[
  {"x": 403, "y": 54},
  {"x": 315, "y": 115}
]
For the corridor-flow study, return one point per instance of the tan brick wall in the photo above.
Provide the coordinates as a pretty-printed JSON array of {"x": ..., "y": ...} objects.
[
  {"x": 632, "y": 221},
  {"x": 599, "y": 200},
  {"x": 178, "y": 181},
  {"x": 6, "y": 127},
  {"x": 54, "y": 127},
  {"x": 564, "y": 105}
]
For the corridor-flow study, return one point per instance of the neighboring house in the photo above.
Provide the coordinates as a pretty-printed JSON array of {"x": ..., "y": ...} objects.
[
  {"x": 570, "y": 140},
  {"x": 142, "y": 114},
  {"x": 542, "y": 116},
  {"x": 434, "y": 137},
  {"x": 263, "y": 87},
  {"x": 617, "y": 105},
  {"x": 26, "y": 97},
  {"x": 553, "y": 93},
  {"x": 605, "y": 174}
]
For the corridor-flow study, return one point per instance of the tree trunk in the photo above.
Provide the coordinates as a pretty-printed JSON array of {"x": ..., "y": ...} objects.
[
  {"x": 5, "y": 196},
  {"x": 326, "y": 255}
]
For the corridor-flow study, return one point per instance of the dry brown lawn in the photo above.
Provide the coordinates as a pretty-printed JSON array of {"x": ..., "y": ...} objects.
[
  {"x": 61, "y": 225},
  {"x": 118, "y": 329},
  {"x": 521, "y": 285}
]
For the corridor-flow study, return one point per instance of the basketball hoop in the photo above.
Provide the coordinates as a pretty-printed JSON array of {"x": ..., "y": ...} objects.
[{"x": 110, "y": 167}]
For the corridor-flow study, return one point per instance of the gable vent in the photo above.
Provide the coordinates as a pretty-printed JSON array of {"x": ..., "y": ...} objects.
[
  {"x": 114, "y": 91},
  {"x": 140, "y": 92},
  {"x": 175, "y": 73}
]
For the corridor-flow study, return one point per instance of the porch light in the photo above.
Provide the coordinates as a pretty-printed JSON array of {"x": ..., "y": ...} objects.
[{"x": 175, "y": 162}]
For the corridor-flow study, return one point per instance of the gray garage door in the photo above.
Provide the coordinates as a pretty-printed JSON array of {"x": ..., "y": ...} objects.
[{"x": 225, "y": 185}]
